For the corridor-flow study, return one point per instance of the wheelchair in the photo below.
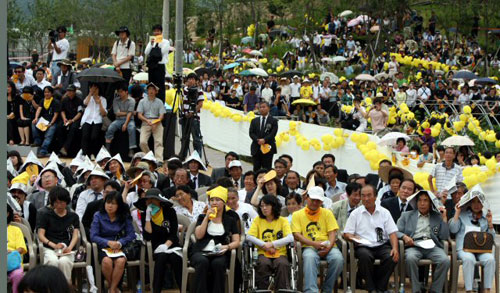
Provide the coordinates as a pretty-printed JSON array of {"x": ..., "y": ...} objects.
[{"x": 249, "y": 263}]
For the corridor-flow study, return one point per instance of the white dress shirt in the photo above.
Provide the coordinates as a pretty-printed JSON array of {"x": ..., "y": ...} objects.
[
  {"x": 92, "y": 113},
  {"x": 363, "y": 224},
  {"x": 121, "y": 51},
  {"x": 164, "y": 45},
  {"x": 295, "y": 90},
  {"x": 86, "y": 197},
  {"x": 64, "y": 46}
]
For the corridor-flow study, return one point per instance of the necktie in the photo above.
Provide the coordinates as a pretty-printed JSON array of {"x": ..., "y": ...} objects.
[
  {"x": 263, "y": 124},
  {"x": 194, "y": 182},
  {"x": 349, "y": 212},
  {"x": 96, "y": 195},
  {"x": 236, "y": 184},
  {"x": 403, "y": 205}
]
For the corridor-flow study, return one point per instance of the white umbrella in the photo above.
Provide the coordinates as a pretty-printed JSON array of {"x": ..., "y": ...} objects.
[
  {"x": 327, "y": 59},
  {"x": 374, "y": 28},
  {"x": 458, "y": 140},
  {"x": 258, "y": 72},
  {"x": 363, "y": 18},
  {"x": 339, "y": 59},
  {"x": 353, "y": 22},
  {"x": 86, "y": 60},
  {"x": 382, "y": 75},
  {"x": 256, "y": 53},
  {"x": 345, "y": 13},
  {"x": 332, "y": 76},
  {"x": 365, "y": 77},
  {"x": 391, "y": 138},
  {"x": 141, "y": 76}
]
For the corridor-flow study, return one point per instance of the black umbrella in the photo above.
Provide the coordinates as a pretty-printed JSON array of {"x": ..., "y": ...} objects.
[
  {"x": 485, "y": 81},
  {"x": 99, "y": 75},
  {"x": 465, "y": 74},
  {"x": 291, "y": 73},
  {"x": 278, "y": 33},
  {"x": 201, "y": 71}
]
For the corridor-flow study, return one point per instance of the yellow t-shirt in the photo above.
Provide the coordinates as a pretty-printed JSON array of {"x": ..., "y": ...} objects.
[
  {"x": 270, "y": 231},
  {"x": 15, "y": 238},
  {"x": 315, "y": 231}
]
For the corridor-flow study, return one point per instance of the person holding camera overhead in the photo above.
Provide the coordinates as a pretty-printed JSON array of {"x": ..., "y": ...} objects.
[
  {"x": 157, "y": 52},
  {"x": 191, "y": 105},
  {"x": 123, "y": 53},
  {"x": 60, "y": 48}
]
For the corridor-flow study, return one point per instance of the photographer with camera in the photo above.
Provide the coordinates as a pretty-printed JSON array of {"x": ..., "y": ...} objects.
[
  {"x": 59, "y": 46},
  {"x": 189, "y": 118}
]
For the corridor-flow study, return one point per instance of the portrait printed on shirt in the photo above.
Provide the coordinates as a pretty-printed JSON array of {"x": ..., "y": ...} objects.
[
  {"x": 312, "y": 230},
  {"x": 269, "y": 236}
]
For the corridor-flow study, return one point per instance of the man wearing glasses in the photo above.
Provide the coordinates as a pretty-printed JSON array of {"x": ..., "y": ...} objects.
[
  {"x": 22, "y": 79},
  {"x": 374, "y": 233},
  {"x": 48, "y": 180}
]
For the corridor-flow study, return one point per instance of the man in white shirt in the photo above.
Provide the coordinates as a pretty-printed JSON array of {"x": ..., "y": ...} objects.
[
  {"x": 23, "y": 79},
  {"x": 95, "y": 181},
  {"x": 334, "y": 188},
  {"x": 295, "y": 90},
  {"x": 267, "y": 93},
  {"x": 91, "y": 122},
  {"x": 424, "y": 93},
  {"x": 60, "y": 50},
  {"x": 123, "y": 53},
  {"x": 411, "y": 95},
  {"x": 372, "y": 228},
  {"x": 41, "y": 82},
  {"x": 235, "y": 171},
  {"x": 157, "y": 64},
  {"x": 316, "y": 89},
  {"x": 246, "y": 211}
]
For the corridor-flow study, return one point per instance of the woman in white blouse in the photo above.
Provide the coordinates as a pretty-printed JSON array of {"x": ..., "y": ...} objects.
[
  {"x": 188, "y": 206},
  {"x": 95, "y": 110}
]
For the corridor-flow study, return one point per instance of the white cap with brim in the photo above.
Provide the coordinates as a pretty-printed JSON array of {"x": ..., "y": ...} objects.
[
  {"x": 316, "y": 192},
  {"x": 234, "y": 163},
  {"x": 103, "y": 154},
  {"x": 150, "y": 157},
  {"x": 31, "y": 159},
  {"x": 19, "y": 186},
  {"x": 97, "y": 172},
  {"x": 195, "y": 157}
]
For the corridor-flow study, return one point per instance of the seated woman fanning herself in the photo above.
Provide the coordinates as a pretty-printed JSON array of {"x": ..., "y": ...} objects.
[
  {"x": 160, "y": 227},
  {"x": 269, "y": 184},
  {"x": 216, "y": 235},
  {"x": 271, "y": 233},
  {"x": 112, "y": 229}
]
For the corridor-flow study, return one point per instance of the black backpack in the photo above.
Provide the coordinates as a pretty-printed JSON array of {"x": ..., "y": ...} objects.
[
  {"x": 128, "y": 47},
  {"x": 154, "y": 57}
]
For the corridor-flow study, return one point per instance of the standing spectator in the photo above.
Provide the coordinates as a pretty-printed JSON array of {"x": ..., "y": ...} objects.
[
  {"x": 123, "y": 53},
  {"x": 379, "y": 116},
  {"x": 262, "y": 132},
  {"x": 60, "y": 49},
  {"x": 267, "y": 93},
  {"x": 251, "y": 101},
  {"x": 49, "y": 110},
  {"x": 157, "y": 52},
  {"x": 151, "y": 112},
  {"x": 111, "y": 230},
  {"x": 191, "y": 115},
  {"x": 58, "y": 232},
  {"x": 444, "y": 173},
  {"x": 92, "y": 120},
  {"x": 315, "y": 227},
  {"x": 123, "y": 107},
  {"x": 375, "y": 225},
  {"x": 12, "y": 114},
  {"x": 71, "y": 112}
]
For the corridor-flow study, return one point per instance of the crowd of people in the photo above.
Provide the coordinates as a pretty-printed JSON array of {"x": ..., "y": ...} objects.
[{"x": 272, "y": 206}]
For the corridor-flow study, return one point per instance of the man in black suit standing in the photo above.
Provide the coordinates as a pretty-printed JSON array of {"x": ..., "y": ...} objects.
[
  {"x": 399, "y": 204},
  {"x": 263, "y": 129}
]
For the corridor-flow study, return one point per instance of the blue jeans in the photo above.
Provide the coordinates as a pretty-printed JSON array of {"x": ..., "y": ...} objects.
[
  {"x": 487, "y": 260},
  {"x": 117, "y": 126},
  {"x": 311, "y": 261},
  {"x": 47, "y": 137},
  {"x": 54, "y": 69}
]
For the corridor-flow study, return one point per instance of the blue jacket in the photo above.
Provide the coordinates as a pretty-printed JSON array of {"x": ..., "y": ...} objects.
[
  {"x": 458, "y": 227},
  {"x": 103, "y": 230}
]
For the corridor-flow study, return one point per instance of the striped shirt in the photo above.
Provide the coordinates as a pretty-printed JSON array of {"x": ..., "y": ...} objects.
[{"x": 444, "y": 175}]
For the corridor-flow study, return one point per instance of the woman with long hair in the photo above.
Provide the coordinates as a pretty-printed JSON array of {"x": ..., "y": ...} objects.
[{"x": 111, "y": 230}]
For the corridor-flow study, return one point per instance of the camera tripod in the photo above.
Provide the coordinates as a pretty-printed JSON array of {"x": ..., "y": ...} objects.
[{"x": 188, "y": 121}]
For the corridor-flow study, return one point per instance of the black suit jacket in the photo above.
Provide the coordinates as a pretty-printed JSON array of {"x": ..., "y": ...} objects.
[
  {"x": 88, "y": 215},
  {"x": 162, "y": 181},
  {"x": 203, "y": 180},
  {"x": 268, "y": 134},
  {"x": 218, "y": 173},
  {"x": 392, "y": 204},
  {"x": 373, "y": 179}
]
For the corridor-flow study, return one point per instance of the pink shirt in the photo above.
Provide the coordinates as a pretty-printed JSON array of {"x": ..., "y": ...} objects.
[{"x": 378, "y": 119}]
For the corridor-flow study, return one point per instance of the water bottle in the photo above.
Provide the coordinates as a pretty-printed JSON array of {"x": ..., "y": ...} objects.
[
  {"x": 348, "y": 289},
  {"x": 402, "y": 288},
  {"x": 139, "y": 287},
  {"x": 255, "y": 255}
]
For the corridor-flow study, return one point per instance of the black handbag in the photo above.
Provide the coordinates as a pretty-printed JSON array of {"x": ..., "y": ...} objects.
[{"x": 133, "y": 249}]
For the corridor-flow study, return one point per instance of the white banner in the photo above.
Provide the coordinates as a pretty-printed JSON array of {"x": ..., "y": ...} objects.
[{"x": 226, "y": 135}]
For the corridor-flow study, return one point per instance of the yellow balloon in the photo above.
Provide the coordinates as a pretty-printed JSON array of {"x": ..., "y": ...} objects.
[
  {"x": 482, "y": 177},
  {"x": 292, "y": 125},
  {"x": 305, "y": 146},
  {"x": 371, "y": 145},
  {"x": 278, "y": 141},
  {"x": 467, "y": 110},
  {"x": 491, "y": 164},
  {"x": 338, "y": 132},
  {"x": 340, "y": 141},
  {"x": 467, "y": 171},
  {"x": 363, "y": 138},
  {"x": 426, "y": 124},
  {"x": 434, "y": 132},
  {"x": 354, "y": 137},
  {"x": 497, "y": 144},
  {"x": 327, "y": 147},
  {"x": 286, "y": 137}
]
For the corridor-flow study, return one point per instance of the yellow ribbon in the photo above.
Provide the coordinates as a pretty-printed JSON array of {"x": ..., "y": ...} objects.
[
  {"x": 158, "y": 217},
  {"x": 46, "y": 103}
]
